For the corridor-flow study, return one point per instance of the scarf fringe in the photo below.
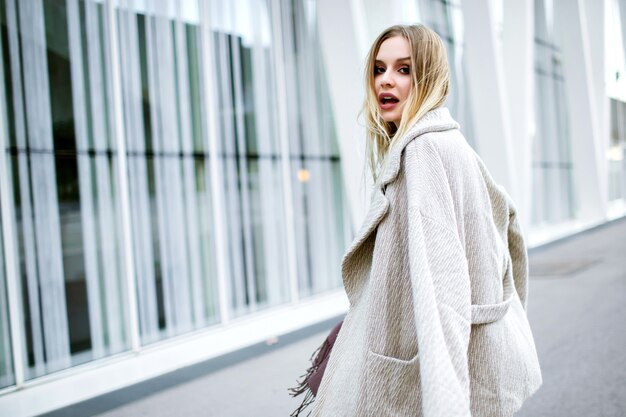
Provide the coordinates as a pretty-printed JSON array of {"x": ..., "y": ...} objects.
[
  {"x": 308, "y": 400},
  {"x": 303, "y": 385}
]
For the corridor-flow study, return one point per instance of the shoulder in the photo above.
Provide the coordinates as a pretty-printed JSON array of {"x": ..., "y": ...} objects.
[
  {"x": 447, "y": 148},
  {"x": 444, "y": 169}
]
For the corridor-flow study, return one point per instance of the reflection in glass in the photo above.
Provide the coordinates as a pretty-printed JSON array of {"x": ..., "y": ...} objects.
[
  {"x": 249, "y": 146},
  {"x": 168, "y": 165},
  {"x": 64, "y": 169},
  {"x": 57, "y": 85},
  {"x": 322, "y": 229}
]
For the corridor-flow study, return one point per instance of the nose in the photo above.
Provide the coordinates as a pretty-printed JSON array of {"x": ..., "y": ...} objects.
[{"x": 386, "y": 79}]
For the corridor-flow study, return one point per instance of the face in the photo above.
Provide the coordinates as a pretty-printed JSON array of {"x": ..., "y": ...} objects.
[{"x": 392, "y": 77}]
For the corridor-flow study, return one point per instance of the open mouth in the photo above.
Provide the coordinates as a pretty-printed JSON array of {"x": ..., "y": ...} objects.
[{"x": 388, "y": 99}]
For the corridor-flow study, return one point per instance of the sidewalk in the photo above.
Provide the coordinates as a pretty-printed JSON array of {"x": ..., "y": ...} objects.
[{"x": 577, "y": 308}]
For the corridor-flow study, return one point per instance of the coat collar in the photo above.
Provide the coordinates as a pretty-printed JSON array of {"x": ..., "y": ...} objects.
[{"x": 436, "y": 120}]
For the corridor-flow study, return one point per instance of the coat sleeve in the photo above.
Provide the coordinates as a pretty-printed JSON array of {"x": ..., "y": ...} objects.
[
  {"x": 518, "y": 252},
  {"x": 440, "y": 284}
]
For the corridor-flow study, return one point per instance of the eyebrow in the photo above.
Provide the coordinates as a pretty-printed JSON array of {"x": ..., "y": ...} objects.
[{"x": 378, "y": 61}]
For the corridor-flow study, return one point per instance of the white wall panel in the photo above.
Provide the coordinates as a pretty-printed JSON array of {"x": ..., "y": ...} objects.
[
  {"x": 518, "y": 41},
  {"x": 488, "y": 94}
]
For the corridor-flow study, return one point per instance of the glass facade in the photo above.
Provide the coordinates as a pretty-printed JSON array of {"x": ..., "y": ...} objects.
[
  {"x": 200, "y": 137},
  {"x": 322, "y": 226},
  {"x": 254, "y": 194},
  {"x": 64, "y": 166},
  {"x": 552, "y": 182},
  {"x": 173, "y": 238}
]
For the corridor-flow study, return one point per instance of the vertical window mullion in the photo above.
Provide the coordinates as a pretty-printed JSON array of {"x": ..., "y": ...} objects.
[
  {"x": 9, "y": 245},
  {"x": 283, "y": 129},
  {"x": 42, "y": 171},
  {"x": 213, "y": 133},
  {"x": 240, "y": 156},
  {"x": 190, "y": 219},
  {"x": 138, "y": 177},
  {"x": 84, "y": 177},
  {"x": 127, "y": 243},
  {"x": 14, "y": 292}
]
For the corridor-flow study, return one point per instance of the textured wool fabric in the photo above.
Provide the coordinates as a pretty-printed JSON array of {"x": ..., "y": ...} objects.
[{"x": 437, "y": 279}]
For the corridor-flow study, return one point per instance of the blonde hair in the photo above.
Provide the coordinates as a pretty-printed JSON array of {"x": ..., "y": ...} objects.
[{"x": 429, "y": 90}]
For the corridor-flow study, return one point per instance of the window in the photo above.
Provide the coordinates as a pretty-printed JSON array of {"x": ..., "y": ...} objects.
[
  {"x": 65, "y": 186},
  {"x": 226, "y": 213},
  {"x": 322, "y": 229}
]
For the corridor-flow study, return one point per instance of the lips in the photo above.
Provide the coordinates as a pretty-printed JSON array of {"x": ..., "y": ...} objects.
[{"x": 387, "y": 101}]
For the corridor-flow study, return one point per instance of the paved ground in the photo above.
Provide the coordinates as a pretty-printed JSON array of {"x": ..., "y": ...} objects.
[
  {"x": 579, "y": 322},
  {"x": 577, "y": 308}
]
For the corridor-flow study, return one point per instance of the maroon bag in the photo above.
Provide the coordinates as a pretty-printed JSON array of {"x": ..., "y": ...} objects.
[{"x": 313, "y": 376}]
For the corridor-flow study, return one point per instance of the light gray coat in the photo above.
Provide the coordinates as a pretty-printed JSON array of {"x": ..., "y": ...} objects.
[{"x": 437, "y": 279}]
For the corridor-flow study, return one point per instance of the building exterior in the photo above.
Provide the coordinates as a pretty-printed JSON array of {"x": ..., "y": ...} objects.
[{"x": 180, "y": 178}]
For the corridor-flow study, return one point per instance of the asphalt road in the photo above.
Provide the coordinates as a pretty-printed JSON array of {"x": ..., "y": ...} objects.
[{"x": 579, "y": 322}]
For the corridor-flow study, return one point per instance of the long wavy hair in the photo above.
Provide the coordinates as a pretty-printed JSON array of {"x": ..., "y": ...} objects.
[{"x": 430, "y": 79}]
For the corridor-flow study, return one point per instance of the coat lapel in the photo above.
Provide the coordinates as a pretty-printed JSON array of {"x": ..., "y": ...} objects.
[
  {"x": 434, "y": 121},
  {"x": 378, "y": 208}
]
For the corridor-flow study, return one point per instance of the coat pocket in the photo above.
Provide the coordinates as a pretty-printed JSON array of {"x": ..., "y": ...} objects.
[{"x": 392, "y": 387}]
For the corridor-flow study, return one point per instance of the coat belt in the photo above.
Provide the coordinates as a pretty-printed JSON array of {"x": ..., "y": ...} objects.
[{"x": 488, "y": 313}]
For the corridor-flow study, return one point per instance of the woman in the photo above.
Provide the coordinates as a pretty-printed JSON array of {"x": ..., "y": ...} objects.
[{"x": 437, "y": 276}]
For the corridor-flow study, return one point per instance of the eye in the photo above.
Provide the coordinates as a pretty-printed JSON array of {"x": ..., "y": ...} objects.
[
  {"x": 379, "y": 70},
  {"x": 405, "y": 70}
]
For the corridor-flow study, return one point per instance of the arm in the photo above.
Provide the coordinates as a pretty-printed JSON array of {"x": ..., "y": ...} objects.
[
  {"x": 440, "y": 283},
  {"x": 517, "y": 250}
]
